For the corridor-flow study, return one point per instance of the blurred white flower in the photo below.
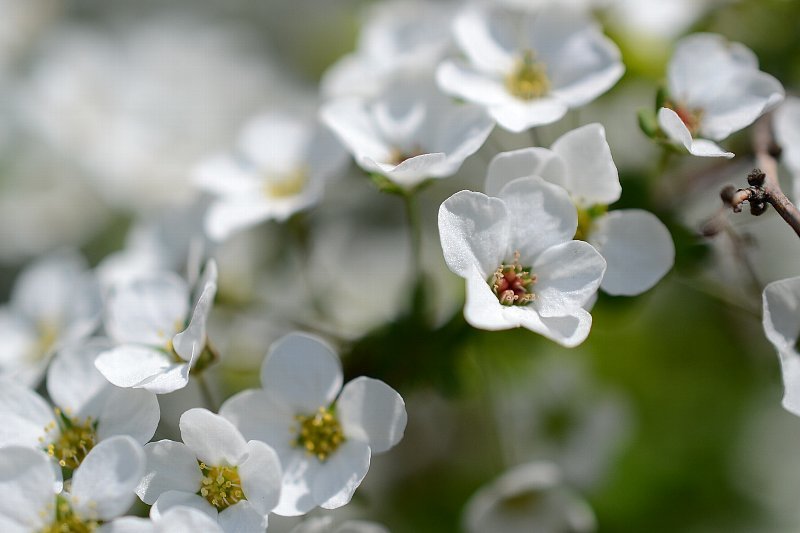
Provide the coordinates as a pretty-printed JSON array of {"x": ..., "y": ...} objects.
[
  {"x": 528, "y": 497},
  {"x": 781, "y": 321},
  {"x": 410, "y": 132},
  {"x": 715, "y": 89},
  {"x": 281, "y": 166},
  {"x": 786, "y": 122},
  {"x": 160, "y": 329},
  {"x": 101, "y": 489},
  {"x": 214, "y": 470},
  {"x": 636, "y": 245},
  {"x": 325, "y": 524},
  {"x": 521, "y": 266},
  {"x": 324, "y": 434},
  {"x": 528, "y": 68},
  {"x": 395, "y": 35},
  {"x": 178, "y": 519},
  {"x": 86, "y": 410},
  {"x": 54, "y": 301}
]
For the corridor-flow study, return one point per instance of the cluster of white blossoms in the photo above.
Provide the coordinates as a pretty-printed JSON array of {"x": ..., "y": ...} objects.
[{"x": 431, "y": 87}]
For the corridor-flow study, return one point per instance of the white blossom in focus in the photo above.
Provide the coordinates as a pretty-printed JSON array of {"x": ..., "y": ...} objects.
[
  {"x": 635, "y": 243},
  {"x": 528, "y": 497},
  {"x": 410, "y": 132},
  {"x": 86, "y": 410},
  {"x": 54, "y": 301},
  {"x": 178, "y": 519},
  {"x": 529, "y": 68},
  {"x": 159, "y": 326},
  {"x": 324, "y": 434},
  {"x": 101, "y": 489},
  {"x": 781, "y": 300},
  {"x": 280, "y": 166},
  {"x": 214, "y": 470},
  {"x": 521, "y": 266},
  {"x": 715, "y": 89}
]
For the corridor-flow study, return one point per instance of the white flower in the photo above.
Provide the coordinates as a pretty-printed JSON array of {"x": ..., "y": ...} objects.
[
  {"x": 395, "y": 35},
  {"x": 529, "y": 68},
  {"x": 636, "y": 245},
  {"x": 324, "y": 524},
  {"x": 410, "y": 132},
  {"x": 786, "y": 122},
  {"x": 177, "y": 519},
  {"x": 520, "y": 264},
  {"x": 160, "y": 328},
  {"x": 213, "y": 470},
  {"x": 715, "y": 89},
  {"x": 87, "y": 409},
  {"x": 782, "y": 326},
  {"x": 54, "y": 301},
  {"x": 281, "y": 167},
  {"x": 323, "y": 437},
  {"x": 102, "y": 488},
  {"x": 528, "y": 497}
]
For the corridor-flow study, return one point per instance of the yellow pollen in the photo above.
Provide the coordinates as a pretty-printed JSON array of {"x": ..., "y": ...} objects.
[
  {"x": 586, "y": 218},
  {"x": 285, "y": 185},
  {"x": 221, "y": 486},
  {"x": 74, "y": 440},
  {"x": 67, "y": 521},
  {"x": 47, "y": 336},
  {"x": 513, "y": 283},
  {"x": 320, "y": 434},
  {"x": 528, "y": 79}
]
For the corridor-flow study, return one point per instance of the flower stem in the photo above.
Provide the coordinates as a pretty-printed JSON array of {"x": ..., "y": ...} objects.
[
  {"x": 205, "y": 392},
  {"x": 415, "y": 240}
]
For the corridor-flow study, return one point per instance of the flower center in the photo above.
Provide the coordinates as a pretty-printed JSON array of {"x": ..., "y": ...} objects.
[
  {"x": 586, "y": 218},
  {"x": 398, "y": 156},
  {"x": 47, "y": 337},
  {"x": 221, "y": 486},
  {"x": 75, "y": 439},
  {"x": 67, "y": 521},
  {"x": 692, "y": 118},
  {"x": 528, "y": 79},
  {"x": 513, "y": 284},
  {"x": 320, "y": 434},
  {"x": 285, "y": 185}
]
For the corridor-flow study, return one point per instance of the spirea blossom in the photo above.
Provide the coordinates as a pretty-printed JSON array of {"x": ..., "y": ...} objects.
[
  {"x": 781, "y": 301},
  {"x": 715, "y": 89},
  {"x": 529, "y": 68},
  {"x": 324, "y": 434},
  {"x": 635, "y": 244},
  {"x": 521, "y": 266},
  {"x": 160, "y": 328}
]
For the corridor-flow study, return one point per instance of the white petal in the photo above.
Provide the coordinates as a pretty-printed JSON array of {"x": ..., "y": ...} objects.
[
  {"x": 129, "y": 524},
  {"x": 234, "y": 214},
  {"x": 474, "y": 231},
  {"x": 259, "y": 415},
  {"x": 352, "y": 124},
  {"x": 482, "y": 309},
  {"x": 190, "y": 342},
  {"x": 487, "y": 38},
  {"x": 782, "y": 313},
  {"x": 26, "y": 481},
  {"x": 303, "y": 371},
  {"x": 787, "y": 133},
  {"x": 103, "y": 486},
  {"x": 138, "y": 366},
  {"x": 148, "y": 310},
  {"x": 676, "y": 130},
  {"x": 242, "y": 518},
  {"x": 790, "y": 369},
  {"x": 371, "y": 411},
  {"x": 341, "y": 474},
  {"x": 214, "y": 440},
  {"x": 187, "y": 520},
  {"x": 299, "y": 472},
  {"x": 461, "y": 80},
  {"x": 45, "y": 290},
  {"x": 519, "y": 115},
  {"x": 261, "y": 477},
  {"x": 275, "y": 141},
  {"x": 541, "y": 215},
  {"x": 24, "y": 415},
  {"x": 525, "y": 162},
  {"x": 74, "y": 383},
  {"x": 410, "y": 172},
  {"x": 20, "y": 339},
  {"x": 170, "y": 466},
  {"x": 591, "y": 173},
  {"x": 568, "y": 275},
  {"x": 176, "y": 499},
  {"x": 131, "y": 412},
  {"x": 637, "y": 247},
  {"x": 568, "y": 330},
  {"x": 223, "y": 175},
  {"x": 460, "y": 130}
]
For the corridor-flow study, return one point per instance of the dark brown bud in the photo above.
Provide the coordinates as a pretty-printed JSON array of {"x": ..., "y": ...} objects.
[
  {"x": 727, "y": 193},
  {"x": 756, "y": 177}
]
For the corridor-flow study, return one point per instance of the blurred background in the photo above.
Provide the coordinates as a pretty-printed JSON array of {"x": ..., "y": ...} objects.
[{"x": 666, "y": 419}]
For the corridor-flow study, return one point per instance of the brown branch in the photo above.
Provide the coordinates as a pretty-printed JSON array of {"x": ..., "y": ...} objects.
[{"x": 764, "y": 188}]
